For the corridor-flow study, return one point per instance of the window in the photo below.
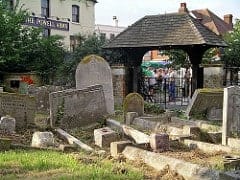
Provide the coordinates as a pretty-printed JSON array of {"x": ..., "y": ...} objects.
[
  {"x": 103, "y": 36},
  {"x": 11, "y": 4},
  {"x": 75, "y": 13},
  {"x": 14, "y": 84},
  {"x": 112, "y": 36},
  {"x": 74, "y": 42},
  {"x": 46, "y": 32},
  {"x": 45, "y": 8}
]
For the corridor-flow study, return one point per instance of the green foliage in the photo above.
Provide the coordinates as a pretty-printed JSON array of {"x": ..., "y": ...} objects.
[
  {"x": 178, "y": 57},
  {"x": 151, "y": 108},
  {"x": 88, "y": 45},
  {"x": 23, "y": 49},
  {"x": 231, "y": 53}
]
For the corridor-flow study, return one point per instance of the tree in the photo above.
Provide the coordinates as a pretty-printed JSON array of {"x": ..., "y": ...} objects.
[
  {"x": 23, "y": 49},
  {"x": 178, "y": 57},
  {"x": 231, "y": 55}
]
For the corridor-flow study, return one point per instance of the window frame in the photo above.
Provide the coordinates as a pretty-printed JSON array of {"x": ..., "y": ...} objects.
[
  {"x": 45, "y": 8},
  {"x": 75, "y": 13}
]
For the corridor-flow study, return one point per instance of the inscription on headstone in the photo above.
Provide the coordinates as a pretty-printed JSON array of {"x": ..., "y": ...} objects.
[
  {"x": 76, "y": 108},
  {"x": 21, "y": 107},
  {"x": 231, "y": 113},
  {"x": 94, "y": 70}
]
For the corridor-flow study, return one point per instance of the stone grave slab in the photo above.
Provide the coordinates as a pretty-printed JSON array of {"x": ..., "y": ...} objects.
[
  {"x": 203, "y": 100},
  {"x": 231, "y": 113},
  {"x": 77, "y": 108},
  {"x": 94, "y": 70},
  {"x": 21, "y": 107}
]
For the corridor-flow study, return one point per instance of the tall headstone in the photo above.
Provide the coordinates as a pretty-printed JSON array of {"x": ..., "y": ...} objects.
[
  {"x": 94, "y": 70},
  {"x": 231, "y": 113},
  {"x": 133, "y": 102}
]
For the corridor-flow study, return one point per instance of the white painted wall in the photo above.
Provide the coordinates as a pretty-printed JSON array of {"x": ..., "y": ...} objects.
[{"x": 63, "y": 10}]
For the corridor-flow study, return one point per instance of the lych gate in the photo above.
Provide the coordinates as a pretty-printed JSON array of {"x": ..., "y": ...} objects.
[{"x": 164, "y": 32}]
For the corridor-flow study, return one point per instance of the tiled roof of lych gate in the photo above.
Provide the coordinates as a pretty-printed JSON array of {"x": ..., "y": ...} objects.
[
  {"x": 176, "y": 29},
  {"x": 212, "y": 21}
]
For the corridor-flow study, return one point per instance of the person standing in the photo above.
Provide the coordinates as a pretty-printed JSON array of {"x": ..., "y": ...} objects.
[
  {"x": 171, "y": 84},
  {"x": 187, "y": 81}
]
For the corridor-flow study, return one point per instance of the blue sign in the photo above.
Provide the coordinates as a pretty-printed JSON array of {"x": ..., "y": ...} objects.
[{"x": 47, "y": 23}]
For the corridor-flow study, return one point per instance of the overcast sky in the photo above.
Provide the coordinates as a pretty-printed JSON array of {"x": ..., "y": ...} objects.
[{"x": 129, "y": 11}]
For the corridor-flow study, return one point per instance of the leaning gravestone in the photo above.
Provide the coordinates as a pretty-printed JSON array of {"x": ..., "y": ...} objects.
[
  {"x": 203, "y": 101},
  {"x": 231, "y": 113},
  {"x": 21, "y": 107},
  {"x": 78, "y": 107},
  {"x": 133, "y": 102},
  {"x": 94, "y": 70}
]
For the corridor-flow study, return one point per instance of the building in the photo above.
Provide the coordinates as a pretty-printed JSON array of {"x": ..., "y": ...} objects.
[
  {"x": 210, "y": 20},
  {"x": 109, "y": 31},
  {"x": 68, "y": 18}
]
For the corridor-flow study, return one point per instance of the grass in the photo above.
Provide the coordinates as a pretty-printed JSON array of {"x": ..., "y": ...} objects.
[{"x": 35, "y": 164}]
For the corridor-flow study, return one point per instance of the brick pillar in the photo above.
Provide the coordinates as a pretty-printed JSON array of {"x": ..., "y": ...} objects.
[{"x": 119, "y": 83}]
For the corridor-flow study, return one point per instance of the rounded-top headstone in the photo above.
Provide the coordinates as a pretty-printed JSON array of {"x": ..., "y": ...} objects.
[
  {"x": 94, "y": 70},
  {"x": 133, "y": 102},
  {"x": 8, "y": 124}
]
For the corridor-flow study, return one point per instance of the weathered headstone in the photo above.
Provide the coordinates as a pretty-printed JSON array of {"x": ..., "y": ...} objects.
[
  {"x": 77, "y": 108},
  {"x": 42, "y": 139},
  {"x": 20, "y": 107},
  {"x": 133, "y": 102},
  {"x": 94, "y": 70},
  {"x": 7, "y": 124},
  {"x": 203, "y": 100},
  {"x": 231, "y": 113}
]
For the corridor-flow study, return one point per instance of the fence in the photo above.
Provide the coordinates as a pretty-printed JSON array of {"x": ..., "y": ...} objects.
[{"x": 167, "y": 93}]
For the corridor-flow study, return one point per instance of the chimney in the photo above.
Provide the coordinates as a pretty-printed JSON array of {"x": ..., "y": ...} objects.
[
  {"x": 228, "y": 19},
  {"x": 115, "y": 20},
  {"x": 183, "y": 8}
]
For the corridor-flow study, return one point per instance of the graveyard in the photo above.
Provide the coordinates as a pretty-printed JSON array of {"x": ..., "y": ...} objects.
[{"x": 79, "y": 130}]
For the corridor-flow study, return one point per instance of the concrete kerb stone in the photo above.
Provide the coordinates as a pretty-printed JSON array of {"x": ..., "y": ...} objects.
[
  {"x": 130, "y": 117},
  {"x": 72, "y": 140},
  {"x": 207, "y": 147},
  {"x": 117, "y": 147},
  {"x": 104, "y": 136},
  {"x": 188, "y": 170}
]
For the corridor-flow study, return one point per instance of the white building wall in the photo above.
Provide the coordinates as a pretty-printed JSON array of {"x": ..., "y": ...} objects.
[
  {"x": 108, "y": 30},
  {"x": 63, "y": 10}
]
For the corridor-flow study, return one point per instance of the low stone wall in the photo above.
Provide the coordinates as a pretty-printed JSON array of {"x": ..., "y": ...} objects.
[
  {"x": 77, "y": 108},
  {"x": 21, "y": 107},
  {"x": 41, "y": 94}
]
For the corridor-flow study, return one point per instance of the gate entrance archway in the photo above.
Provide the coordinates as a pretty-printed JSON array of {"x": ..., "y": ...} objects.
[{"x": 164, "y": 32}]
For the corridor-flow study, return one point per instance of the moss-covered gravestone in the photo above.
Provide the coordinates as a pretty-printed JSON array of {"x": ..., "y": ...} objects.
[
  {"x": 94, "y": 70},
  {"x": 203, "y": 101},
  {"x": 133, "y": 102}
]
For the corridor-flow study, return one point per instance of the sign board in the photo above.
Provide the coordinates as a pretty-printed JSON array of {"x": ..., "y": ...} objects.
[{"x": 47, "y": 23}]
